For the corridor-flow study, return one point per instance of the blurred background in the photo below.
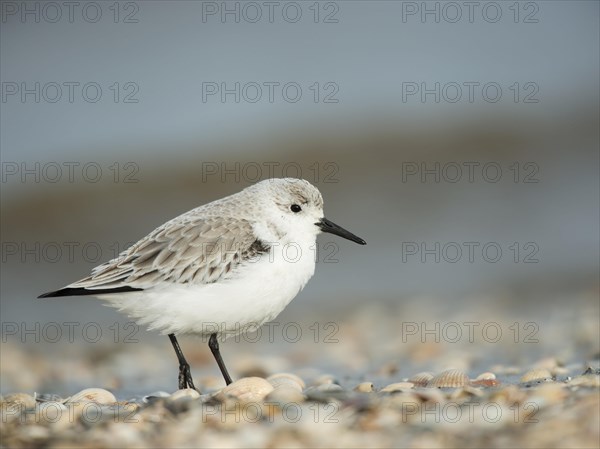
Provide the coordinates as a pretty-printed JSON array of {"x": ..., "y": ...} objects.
[{"x": 461, "y": 142}]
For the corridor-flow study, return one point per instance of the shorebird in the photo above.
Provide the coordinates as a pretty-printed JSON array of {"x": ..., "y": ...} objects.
[{"x": 219, "y": 269}]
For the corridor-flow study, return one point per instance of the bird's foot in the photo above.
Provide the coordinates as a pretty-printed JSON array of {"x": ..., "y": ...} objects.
[{"x": 185, "y": 377}]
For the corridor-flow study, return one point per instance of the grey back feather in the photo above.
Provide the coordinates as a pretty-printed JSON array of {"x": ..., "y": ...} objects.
[
  {"x": 195, "y": 251},
  {"x": 203, "y": 245}
]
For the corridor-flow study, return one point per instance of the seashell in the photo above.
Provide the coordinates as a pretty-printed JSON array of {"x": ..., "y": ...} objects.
[
  {"x": 285, "y": 394},
  {"x": 486, "y": 379},
  {"x": 451, "y": 378},
  {"x": 246, "y": 389},
  {"x": 398, "y": 387},
  {"x": 97, "y": 395},
  {"x": 287, "y": 379},
  {"x": 183, "y": 400},
  {"x": 537, "y": 375},
  {"x": 421, "y": 379},
  {"x": 364, "y": 387},
  {"x": 22, "y": 400},
  {"x": 186, "y": 393}
]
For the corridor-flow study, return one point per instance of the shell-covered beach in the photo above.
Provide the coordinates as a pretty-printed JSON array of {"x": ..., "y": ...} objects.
[{"x": 374, "y": 382}]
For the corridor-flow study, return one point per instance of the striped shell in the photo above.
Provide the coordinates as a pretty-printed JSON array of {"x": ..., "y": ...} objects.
[
  {"x": 451, "y": 378},
  {"x": 421, "y": 379},
  {"x": 538, "y": 374}
]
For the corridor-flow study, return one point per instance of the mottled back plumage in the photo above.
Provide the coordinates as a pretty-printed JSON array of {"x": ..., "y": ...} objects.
[{"x": 201, "y": 246}]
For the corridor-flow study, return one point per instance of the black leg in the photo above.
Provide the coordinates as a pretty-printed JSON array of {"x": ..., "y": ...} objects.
[
  {"x": 185, "y": 375},
  {"x": 213, "y": 344}
]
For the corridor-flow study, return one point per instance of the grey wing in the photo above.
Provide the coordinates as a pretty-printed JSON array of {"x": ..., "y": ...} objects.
[{"x": 191, "y": 251}]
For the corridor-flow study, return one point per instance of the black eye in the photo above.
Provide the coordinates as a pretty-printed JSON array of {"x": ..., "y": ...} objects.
[{"x": 295, "y": 208}]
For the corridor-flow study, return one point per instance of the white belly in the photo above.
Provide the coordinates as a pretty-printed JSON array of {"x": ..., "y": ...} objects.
[{"x": 257, "y": 294}]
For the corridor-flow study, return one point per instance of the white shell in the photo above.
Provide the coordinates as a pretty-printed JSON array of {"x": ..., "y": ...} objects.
[
  {"x": 451, "y": 378},
  {"x": 187, "y": 393},
  {"x": 247, "y": 389},
  {"x": 486, "y": 376},
  {"x": 97, "y": 395},
  {"x": 287, "y": 379},
  {"x": 364, "y": 387}
]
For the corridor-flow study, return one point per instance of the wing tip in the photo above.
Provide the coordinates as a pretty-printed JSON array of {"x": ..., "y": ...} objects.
[{"x": 70, "y": 291}]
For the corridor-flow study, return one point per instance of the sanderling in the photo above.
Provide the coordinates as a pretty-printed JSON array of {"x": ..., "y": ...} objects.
[{"x": 220, "y": 269}]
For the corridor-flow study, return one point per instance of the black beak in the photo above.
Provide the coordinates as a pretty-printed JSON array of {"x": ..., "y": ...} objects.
[{"x": 327, "y": 226}]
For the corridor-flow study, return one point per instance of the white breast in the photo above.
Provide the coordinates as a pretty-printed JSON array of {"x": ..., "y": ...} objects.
[{"x": 256, "y": 294}]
